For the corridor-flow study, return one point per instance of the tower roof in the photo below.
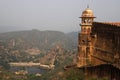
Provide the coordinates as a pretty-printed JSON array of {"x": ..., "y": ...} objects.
[{"x": 87, "y": 13}]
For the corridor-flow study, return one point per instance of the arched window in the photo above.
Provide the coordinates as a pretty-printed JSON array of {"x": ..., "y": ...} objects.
[
  {"x": 89, "y": 21},
  {"x": 84, "y": 29},
  {"x": 88, "y": 30}
]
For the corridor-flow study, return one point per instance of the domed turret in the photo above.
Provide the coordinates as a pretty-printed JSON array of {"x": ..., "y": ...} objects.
[
  {"x": 87, "y": 13},
  {"x": 87, "y": 21},
  {"x": 87, "y": 17}
]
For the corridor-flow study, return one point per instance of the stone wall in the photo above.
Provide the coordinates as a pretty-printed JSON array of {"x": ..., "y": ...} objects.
[
  {"x": 107, "y": 72},
  {"x": 108, "y": 41}
]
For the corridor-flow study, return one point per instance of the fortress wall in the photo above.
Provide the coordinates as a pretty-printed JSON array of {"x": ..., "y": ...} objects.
[{"x": 108, "y": 40}]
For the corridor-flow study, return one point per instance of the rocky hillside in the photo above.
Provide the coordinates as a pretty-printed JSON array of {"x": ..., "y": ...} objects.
[
  {"x": 33, "y": 45},
  {"x": 39, "y": 39}
]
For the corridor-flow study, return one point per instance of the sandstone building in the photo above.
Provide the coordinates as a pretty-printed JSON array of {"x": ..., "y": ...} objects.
[{"x": 99, "y": 44}]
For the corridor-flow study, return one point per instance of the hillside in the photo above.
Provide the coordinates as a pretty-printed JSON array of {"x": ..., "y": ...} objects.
[
  {"x": 34, "y": 38},
  {"x": 35, "y": 45}
]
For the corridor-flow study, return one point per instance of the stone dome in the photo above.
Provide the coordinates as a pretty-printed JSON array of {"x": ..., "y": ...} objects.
[{"x": 87, "y": 13}]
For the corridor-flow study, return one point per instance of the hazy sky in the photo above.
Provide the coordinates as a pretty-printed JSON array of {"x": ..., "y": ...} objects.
[{"x": 60, "y": 15}]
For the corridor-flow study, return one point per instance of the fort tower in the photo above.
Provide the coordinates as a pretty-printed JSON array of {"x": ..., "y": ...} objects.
[{"x": 84, "y": 38}]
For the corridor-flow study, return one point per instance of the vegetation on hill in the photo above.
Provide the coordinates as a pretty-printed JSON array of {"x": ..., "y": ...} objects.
[{"x": 32, "y": 45}]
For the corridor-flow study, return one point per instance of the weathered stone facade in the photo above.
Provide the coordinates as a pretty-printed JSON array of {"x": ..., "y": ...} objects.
[{"x": 107, "y": 45}]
